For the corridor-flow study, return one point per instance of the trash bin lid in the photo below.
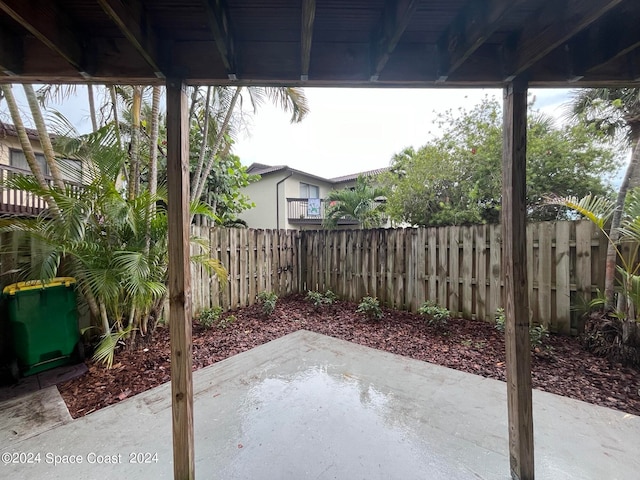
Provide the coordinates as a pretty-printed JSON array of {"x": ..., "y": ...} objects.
[{"x": 37, "y": 284}]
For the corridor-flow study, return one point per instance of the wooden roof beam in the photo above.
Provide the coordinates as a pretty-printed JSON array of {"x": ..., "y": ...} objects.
[
  {"x": 51, "y": 26},
  {"x": 133, "y": 23},
  {"x": 218, "y": 20},
  {"x": 605, "y": 42},
  {"x": 552, "y": 26},
  {"x": 306, "y": 36},
  {"x": 395, "y": 20},
  {"x": 470, "y": 29}
]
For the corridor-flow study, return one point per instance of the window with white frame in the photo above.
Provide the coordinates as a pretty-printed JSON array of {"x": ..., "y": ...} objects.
[
  {"x": 309, "y": 191},
  {"x": 71, "y": 170}
]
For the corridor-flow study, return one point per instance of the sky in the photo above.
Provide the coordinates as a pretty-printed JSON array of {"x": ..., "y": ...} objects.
[
  {"x": 354, "y": 130},
  {"x": 347, "y": 130}
]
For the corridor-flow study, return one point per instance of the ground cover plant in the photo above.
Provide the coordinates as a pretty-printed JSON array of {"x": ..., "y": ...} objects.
[{"x": 471, "y": 346}]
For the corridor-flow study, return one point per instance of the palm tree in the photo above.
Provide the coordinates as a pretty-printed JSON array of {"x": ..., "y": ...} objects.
[
  {"x": 361, "y": 203},
  {"x": 616, "y": 112},
  {"x": 617, "y": 335},
  {"x": 218, "y": 127}
]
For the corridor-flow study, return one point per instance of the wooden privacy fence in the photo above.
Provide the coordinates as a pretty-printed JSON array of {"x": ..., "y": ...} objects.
[
  {"x": 456, "y": 267},
  {"x": 256, "y": 260},
  {"x": 459, "y": 268}
]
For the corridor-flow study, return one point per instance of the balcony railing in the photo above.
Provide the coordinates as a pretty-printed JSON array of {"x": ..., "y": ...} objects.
[
  {"x": 311, "y": 211},
  {"x": 18, "y": 202}
]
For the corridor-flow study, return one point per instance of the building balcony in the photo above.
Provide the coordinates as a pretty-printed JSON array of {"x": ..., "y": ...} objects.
[
  {"x": 311, "y": 211},
  {"x": 18, "y": 202}
]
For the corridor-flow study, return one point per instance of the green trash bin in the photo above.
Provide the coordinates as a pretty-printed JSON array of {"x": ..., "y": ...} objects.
[{"x": 43, "y": 322}]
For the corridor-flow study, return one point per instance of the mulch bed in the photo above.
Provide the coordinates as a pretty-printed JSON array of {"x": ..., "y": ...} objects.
[{"x": 470, "y": 346}]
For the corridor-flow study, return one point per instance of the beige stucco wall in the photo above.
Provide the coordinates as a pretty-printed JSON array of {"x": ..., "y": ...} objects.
[
  {"x": 263, "y": 194},
  {"x": 12, "y": 143}
]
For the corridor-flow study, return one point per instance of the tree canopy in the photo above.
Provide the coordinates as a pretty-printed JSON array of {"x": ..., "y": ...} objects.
[{"x": 455, "y": 179}]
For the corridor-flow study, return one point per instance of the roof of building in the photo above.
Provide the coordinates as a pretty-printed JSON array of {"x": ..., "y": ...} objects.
[
  {"x": 262, "y": 169},
  {"x": 354, "y": 176},
  {"x": 9, "y": 130}
]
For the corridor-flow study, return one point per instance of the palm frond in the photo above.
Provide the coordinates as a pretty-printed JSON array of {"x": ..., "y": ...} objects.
[
  {"x": 106, "y": 348},
  {"x": 595, "y": 208}
]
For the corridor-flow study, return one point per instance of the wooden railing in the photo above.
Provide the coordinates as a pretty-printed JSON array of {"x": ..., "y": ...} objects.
[{"x": 18, "y": 202}]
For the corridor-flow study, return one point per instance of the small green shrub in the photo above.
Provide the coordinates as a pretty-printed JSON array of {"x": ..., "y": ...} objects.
[
  {"x": 434, "y": 314},
  {"x": 319, "y": 299},
  {"x": 370, "y": 306},
  {"x": 500, "y": 320},
  {"x": 538, "y": 335},
  {"x": 268, "y": 301},
  {"x": 208, "y": 317},
  {"x": 330, "y": 297}
]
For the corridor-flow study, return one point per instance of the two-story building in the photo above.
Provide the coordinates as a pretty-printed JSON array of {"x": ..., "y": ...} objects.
[
  {"x": 287, "y": 198},
  {"x": 14, "y": 162}
]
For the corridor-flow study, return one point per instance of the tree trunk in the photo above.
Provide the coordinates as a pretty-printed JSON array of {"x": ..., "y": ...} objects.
[
  {"x": 153, "y": 161},
  {"x": 203, "y": 146},
  {"x": 114, "y": 108},
  {"x": 220, "y": 137},
  {"x": 134, "y": 154},
  {"x": 92, "y": 108},
  {"x": 43, "y": 135},
  {"x": 614, "y": 232},
  {"x": 27, "y": 149}
]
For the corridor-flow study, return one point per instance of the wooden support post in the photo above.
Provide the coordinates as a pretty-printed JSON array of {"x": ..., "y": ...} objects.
[
  {"x": 514, "y": 268},
  {"x": 179, "y": 280}
]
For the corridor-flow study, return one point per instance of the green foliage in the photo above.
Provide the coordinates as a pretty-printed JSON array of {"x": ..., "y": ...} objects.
[
  {"x": 208, "y": 317},
  {"x": 538, "y": 335},
  {"x": 319, "y": 299},
  {"x": 268, "y": 301},
  {"x": 370, "y": 306},
  {"x": 362, "y": 203},
  {"x": 456, "y": 179},
  {"x": 500, "y": 320},
  {"x": 598, "y": 210},
  {"x": 106, "y": 348},
  {"x": 434, "y": 314},
  {"x": 115, "y": 247}
]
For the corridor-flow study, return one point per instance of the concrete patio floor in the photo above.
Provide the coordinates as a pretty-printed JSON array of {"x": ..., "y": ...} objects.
[{"x": 307, "y": 406}]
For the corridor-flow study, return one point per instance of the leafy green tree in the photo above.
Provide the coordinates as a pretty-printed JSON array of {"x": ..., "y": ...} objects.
[
  {"x": 456, "y": 178},
  {"x": 363, "y": 203}
]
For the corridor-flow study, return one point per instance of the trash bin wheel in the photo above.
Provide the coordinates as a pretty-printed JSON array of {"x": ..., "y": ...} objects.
[{"x": 78, "y": 351}]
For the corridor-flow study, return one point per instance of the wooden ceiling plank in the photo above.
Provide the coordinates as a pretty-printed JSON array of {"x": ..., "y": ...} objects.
[
  {"x": 606, "y": 42},
  {"x": 11, "y": 53},
  {"x": 218, "y": 20},
  {"x": 51, "y": 26},
  {"x": 306, "y": 36},
  {"x": 554, "y": 25},
  {"x": 135, "y": 26},
  {"x": 470, "y": 29},
  {"x": 395, "y": 19}
]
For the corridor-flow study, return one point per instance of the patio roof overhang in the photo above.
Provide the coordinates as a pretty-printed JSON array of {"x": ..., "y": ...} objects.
[
  {"x": 423, "y": 43},
  {"x": 509, "y": 44}
]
